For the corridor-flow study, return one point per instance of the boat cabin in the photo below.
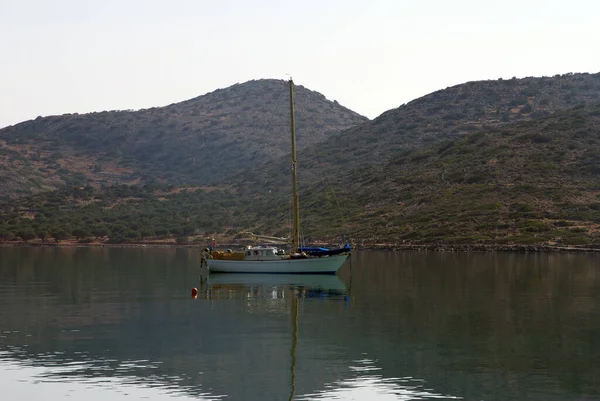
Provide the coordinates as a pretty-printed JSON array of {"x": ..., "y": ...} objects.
[{"x": 263, "y": 253}]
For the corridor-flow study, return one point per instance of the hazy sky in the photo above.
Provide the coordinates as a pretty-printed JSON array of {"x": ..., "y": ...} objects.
[{"x": 65, "y": 56}]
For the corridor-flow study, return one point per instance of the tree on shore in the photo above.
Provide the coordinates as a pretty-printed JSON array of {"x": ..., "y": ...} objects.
[
  {"x": 42, "y": 235},
  {"x": 5, "y": 235},
  {"x": 60, "y": 235},
  {"x": 26, "y": 234}
]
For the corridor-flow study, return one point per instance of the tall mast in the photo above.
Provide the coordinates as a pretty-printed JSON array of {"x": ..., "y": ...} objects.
[{"x": 296, "y": 208}]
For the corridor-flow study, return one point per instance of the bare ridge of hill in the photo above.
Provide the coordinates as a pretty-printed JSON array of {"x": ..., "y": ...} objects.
[{"x": 197, "y": 141}]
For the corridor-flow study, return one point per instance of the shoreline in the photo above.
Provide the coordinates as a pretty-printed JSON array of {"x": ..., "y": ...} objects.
[
  {"x": 364, "y": 247},
  {"x": 482, "y": 248}
]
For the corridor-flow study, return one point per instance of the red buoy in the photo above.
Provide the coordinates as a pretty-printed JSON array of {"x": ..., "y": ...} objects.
[{"x": 194, "y": 292}]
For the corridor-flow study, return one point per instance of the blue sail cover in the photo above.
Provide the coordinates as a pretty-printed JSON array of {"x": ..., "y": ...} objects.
[{"x": 317, "y": 251}]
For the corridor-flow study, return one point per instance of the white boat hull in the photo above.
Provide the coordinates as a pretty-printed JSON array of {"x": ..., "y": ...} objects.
[{"x": 324, "y": 265}]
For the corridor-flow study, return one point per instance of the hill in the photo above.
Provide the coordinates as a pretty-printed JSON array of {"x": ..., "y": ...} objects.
[
  {"x": 535, "y": 181},
  {"x": 198, "y": 141},
  {"x": 448, "y": 114},
  {"x": 529, "y": 179},
  {"x": 532, "y": 182}
]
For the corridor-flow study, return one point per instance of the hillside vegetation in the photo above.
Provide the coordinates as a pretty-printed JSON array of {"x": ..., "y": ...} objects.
[
  {"x": 198, "y": 141},
  {"x": 448, "y": 114},
  {"x": 534, "y": 182},
  {"x": 531, "y": 182},
  {"x": 528, "y": 179}
]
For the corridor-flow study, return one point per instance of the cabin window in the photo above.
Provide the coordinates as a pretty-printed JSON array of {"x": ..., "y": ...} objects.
[
  {"x": 256, "y": 252},
  {"x": 248, "y": 253}
]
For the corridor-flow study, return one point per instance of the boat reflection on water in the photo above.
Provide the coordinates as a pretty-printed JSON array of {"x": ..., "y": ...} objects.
[
  {"x": 286, "y": 290},
  {"x": 274, "y": 286}
]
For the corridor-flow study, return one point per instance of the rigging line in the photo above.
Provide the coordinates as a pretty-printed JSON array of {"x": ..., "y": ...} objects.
[
  {"x": 341, "y": 217},
  {"x": 327, "y": 184}
]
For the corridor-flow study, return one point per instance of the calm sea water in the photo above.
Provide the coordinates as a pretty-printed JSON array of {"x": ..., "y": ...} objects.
[{"x": 120, "y": 324}]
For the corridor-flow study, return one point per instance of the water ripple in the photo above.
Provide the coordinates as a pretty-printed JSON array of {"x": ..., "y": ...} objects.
[
  {"x": 367, "y": 386},
  {"x": 67, "y": 376}
]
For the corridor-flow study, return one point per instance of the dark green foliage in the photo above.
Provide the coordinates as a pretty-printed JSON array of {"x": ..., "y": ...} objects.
[
  {"x": 80, "y": 233},
  {"x": 5, "y": 235},
  {"x": 26, "y": 234},
  {"x": 60, "y": 235},
  {"x": 125, "y": 213},
  {"x": 42, "y": 234}
]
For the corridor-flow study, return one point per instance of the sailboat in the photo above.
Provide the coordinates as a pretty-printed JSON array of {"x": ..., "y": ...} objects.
[{"x": 270, "y": 258}]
